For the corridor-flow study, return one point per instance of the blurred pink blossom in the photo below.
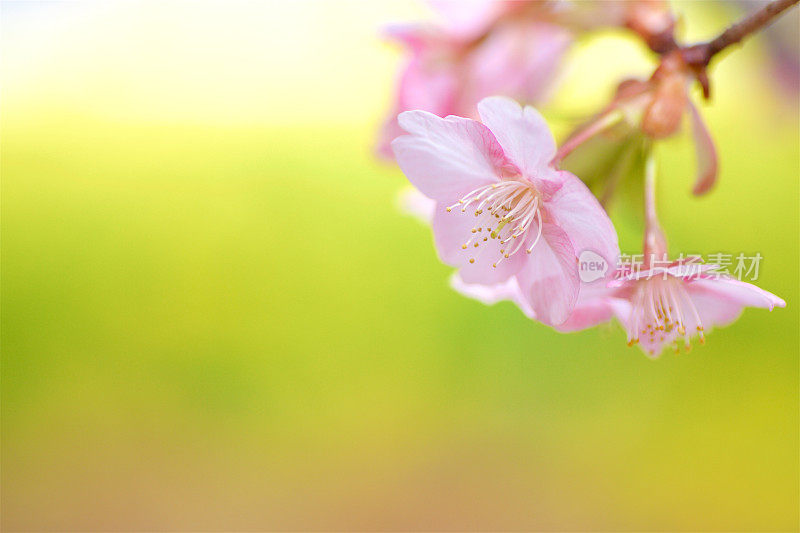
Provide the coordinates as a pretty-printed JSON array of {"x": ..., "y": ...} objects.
[{"x": 483, "y": 48}]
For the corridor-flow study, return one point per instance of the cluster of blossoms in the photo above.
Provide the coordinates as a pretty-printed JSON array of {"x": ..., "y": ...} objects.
[{"x": 489, "y": 178}]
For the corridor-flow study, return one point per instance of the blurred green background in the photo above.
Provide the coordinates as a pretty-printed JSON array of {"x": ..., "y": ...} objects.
[{"x": 216, "y": 318}]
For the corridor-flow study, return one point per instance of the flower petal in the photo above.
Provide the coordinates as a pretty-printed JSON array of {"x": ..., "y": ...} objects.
[
  {"x": 690, "y": 270},
  {"x": 687, "y": 271},
  {"x": 491, "y": 294},
  {"x": 390, "y": 130},
  {"x": 416, "y": 37},
  {"x": 587, "y": 315},
  {"x": 522, "y": 132},
  {"x": 470, "y": 18},
  {"x": 518, "y": 59},
  {"x": 575, "y": 210},
  {"x": 413, "y": 202},
  {"x": 593, "y": 307},
  {"x": 549, "y": 279},
  {"x": 446, "y": 157},
  {"x": 739, "y": 293},
  {"x": 707, "y": 164},
  {"x": 427, "y": 85}
]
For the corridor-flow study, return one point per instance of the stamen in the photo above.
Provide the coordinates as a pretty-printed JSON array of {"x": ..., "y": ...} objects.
[
  {"x": 538, "y": 232},
  {"x": 514, "y": 204},
  {"x": 663, "y": 305}
]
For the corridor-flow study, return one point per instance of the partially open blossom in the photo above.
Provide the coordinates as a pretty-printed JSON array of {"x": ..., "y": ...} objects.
[
  {"x": 483, "y": 48},
  {"x": 502, "y": 210}
]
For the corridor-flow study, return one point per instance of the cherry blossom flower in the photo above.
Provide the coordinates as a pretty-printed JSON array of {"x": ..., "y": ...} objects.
[
  {"x": 502, "y": 210},
  {"x": 669, "y": 306},
  {"x": 484, "y": 48},
  {"x": 666, "y": 303}
]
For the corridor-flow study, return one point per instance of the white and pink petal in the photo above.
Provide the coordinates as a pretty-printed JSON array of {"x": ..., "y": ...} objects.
[
  {"x": 549, "y": 278},
  {"x": 446, "y": 157},
  {"x": 522, "y": 132},
  {"x": 574, "y": 209}
]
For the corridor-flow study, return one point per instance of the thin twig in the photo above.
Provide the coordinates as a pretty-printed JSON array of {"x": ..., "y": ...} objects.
[{"x": 701, "y": 54}]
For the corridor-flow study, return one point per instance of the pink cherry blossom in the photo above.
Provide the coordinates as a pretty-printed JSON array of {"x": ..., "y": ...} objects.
[
  {"x": 661, "y": 307},
  {"x": 502, "y": 210},
  {"x": 484, "y": 48}
]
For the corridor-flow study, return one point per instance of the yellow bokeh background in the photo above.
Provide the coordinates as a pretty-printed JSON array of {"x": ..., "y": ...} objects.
[{"x": 216, "y": 318}]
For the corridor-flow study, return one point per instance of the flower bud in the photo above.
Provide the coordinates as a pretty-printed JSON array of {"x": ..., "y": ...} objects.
[
  {"x": 654, "y": 22},
  {"x": 662, "y": 117}
]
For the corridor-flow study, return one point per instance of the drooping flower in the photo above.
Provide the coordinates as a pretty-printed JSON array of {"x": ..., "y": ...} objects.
[
  {"x": 483, "y": 48},
  {"x": 661, "y": 303},
  {"x": 669, "y": 306},
  {"x": 502, "y": 210}
]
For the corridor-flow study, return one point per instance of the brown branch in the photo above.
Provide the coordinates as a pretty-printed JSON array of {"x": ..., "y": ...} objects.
[{"x": 700, "y": 55}]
